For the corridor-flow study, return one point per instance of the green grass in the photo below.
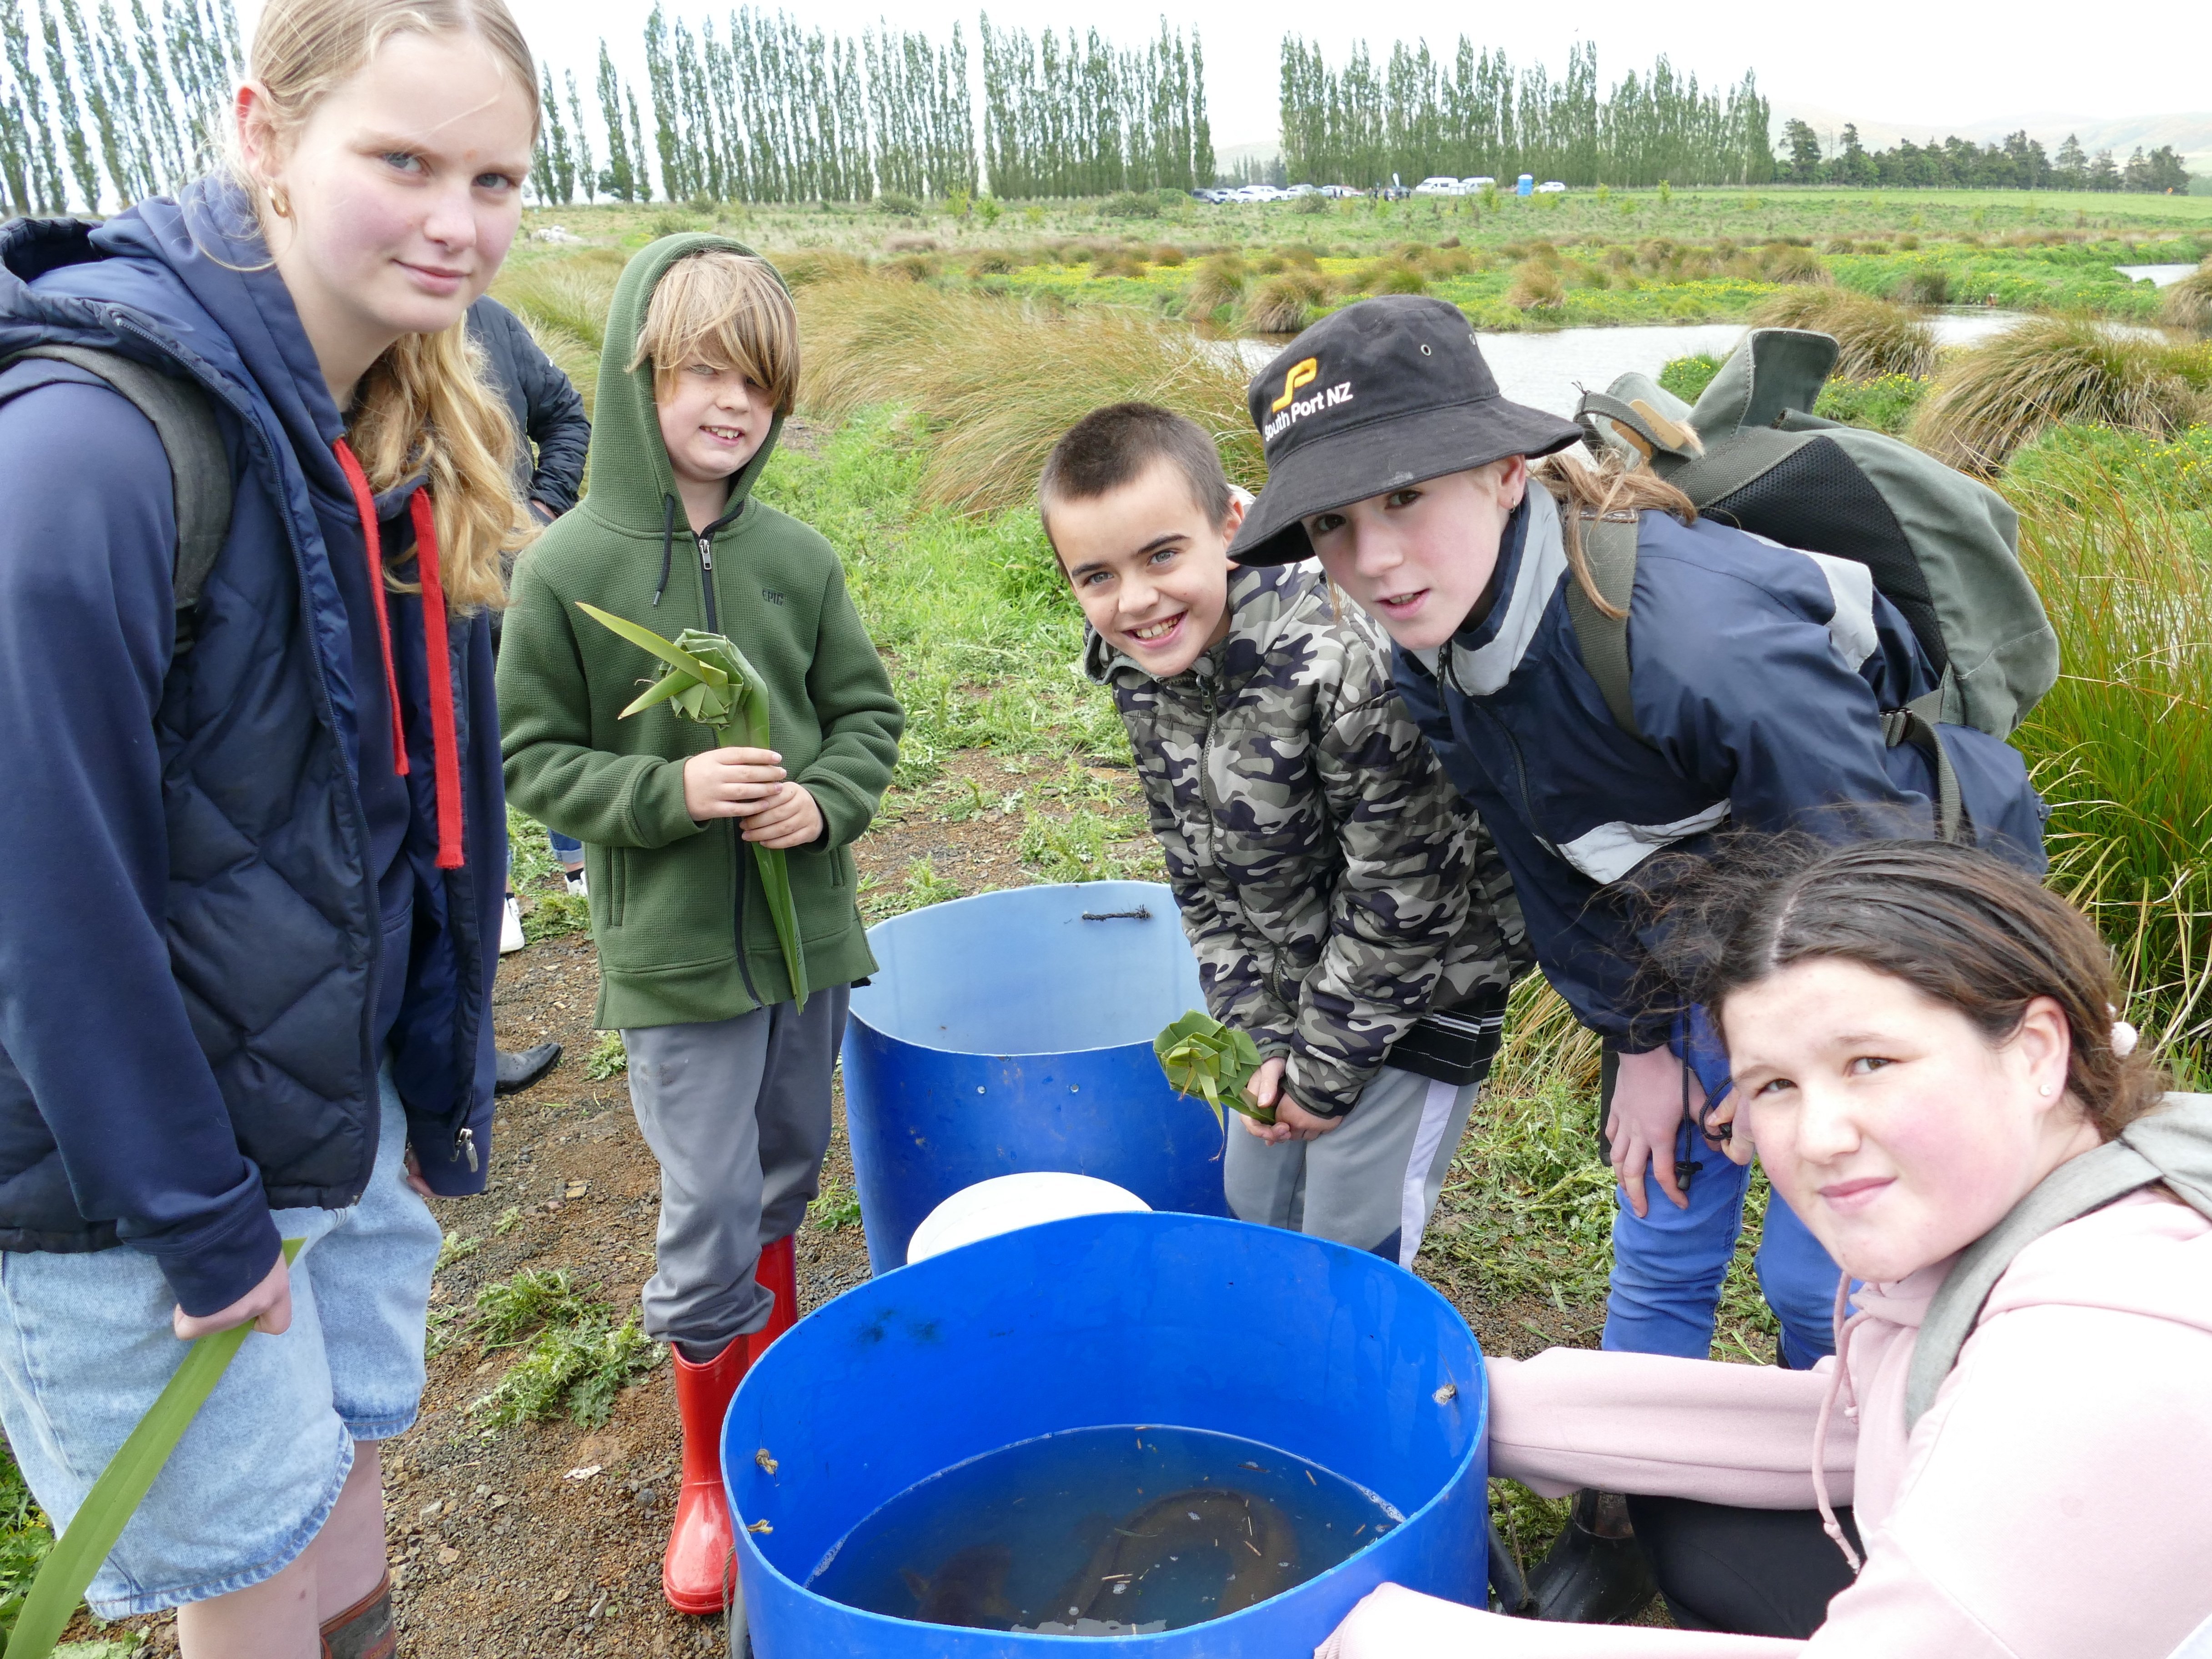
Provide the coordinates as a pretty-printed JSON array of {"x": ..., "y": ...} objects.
[
  {"x": 576, "y": 1358},
  {"x": 608, "y": 1058}
]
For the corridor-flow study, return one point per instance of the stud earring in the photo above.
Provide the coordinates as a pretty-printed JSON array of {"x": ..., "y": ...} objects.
[{"x": 2044, "y": 1089}]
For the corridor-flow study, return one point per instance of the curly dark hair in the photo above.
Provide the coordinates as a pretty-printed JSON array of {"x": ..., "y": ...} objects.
[{"x": 1959, "y": 926}]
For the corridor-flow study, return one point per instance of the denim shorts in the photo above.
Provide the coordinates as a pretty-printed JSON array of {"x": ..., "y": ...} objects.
[{"x": 85, "y": 1346}]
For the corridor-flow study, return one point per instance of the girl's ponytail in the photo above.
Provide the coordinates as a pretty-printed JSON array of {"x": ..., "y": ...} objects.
[{"x": 1607, "y": 490}]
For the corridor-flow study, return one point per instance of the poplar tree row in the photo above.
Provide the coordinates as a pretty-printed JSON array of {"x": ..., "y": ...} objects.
[
  {"x": 1086, "y": 118},
  {"x": 764, "y": 111},
  {"x": 137, "y": 108},
  {"x": 1416, "y": 116}
]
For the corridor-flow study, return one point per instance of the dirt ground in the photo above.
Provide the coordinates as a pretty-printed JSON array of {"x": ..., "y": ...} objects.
[{"x": 525, "y": 1542}]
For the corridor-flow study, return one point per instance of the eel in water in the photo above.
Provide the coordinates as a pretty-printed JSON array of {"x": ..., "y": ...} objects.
[
  {"x": 1254, "y": 1540},
  {"x": 970, "y": 1589}
]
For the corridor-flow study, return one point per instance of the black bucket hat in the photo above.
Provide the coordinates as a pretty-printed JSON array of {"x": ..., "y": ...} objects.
[{"x": 1379, "y": 395}]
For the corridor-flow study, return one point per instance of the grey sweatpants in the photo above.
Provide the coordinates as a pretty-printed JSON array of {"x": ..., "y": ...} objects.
[
  {"x": 737, "y": 1112},
  {"x": 1372, "y": 1181}
]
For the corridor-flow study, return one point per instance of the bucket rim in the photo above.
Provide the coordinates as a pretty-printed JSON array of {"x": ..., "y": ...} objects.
[{"x": 751, "y": 1560}]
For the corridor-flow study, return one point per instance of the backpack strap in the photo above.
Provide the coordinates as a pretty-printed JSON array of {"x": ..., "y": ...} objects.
[
  {"x": 1915, "y": 724},
  {"x": 199, "y": 465},
  {"x": 1609, "y": 549},
  {"x": 2173, "y": 1145}
]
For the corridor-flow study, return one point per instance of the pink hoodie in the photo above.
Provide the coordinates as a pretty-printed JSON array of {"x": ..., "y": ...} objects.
[{"x": 2054, "y": 1503}]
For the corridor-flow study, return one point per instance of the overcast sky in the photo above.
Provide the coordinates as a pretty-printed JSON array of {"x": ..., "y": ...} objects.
[{"x": 1919, "y": 64}]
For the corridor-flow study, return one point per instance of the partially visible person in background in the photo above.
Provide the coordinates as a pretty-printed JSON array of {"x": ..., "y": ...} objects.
[{"x": 552, "y": 437}]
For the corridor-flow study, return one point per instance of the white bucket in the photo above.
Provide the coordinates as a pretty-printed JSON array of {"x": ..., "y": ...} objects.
[{"x": 1005, "y": 1204}]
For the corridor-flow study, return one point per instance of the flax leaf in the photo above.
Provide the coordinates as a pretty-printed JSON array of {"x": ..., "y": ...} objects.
[
  {"x": 1202, "y": 1056},
  {"x": 710, "y": 680},
  {"x": 122, "y": 1486}
]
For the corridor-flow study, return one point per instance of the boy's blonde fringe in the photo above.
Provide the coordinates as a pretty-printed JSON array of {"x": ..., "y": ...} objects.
[
  {"x": 1609, "y": 489},
  {"x": 426, "y": 407},
  {"x": 725, "y": 308}
]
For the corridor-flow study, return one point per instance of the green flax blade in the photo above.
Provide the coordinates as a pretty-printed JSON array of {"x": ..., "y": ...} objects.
[
  {"x": 122, "y": 1486},
  {"x": 1202, "y": 1056},
  {"x": 710, "y": 680}
]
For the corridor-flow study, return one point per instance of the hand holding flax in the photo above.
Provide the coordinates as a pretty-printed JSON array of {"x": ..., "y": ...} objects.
[
  {"x": 1292, "y": 1121},
  {"x": 1202, "y": 1056},
  {"x": 708, "y": 680}
]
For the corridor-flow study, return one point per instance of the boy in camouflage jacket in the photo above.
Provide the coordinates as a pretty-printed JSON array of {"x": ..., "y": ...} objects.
[{"x": 1333, "y": 885}]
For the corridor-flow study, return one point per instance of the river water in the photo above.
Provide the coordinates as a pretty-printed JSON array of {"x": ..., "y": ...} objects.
[
  {"x": 1550, "y": 371},
  {"x": 2160, "y": 275}
]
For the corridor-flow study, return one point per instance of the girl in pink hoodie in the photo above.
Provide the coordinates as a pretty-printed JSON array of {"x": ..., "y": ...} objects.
[{"x": 1921, "y": 1038}]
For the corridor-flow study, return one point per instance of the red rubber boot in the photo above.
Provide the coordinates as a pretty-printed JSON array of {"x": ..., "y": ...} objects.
[
  {"x": 778, "y": 1273},
  {"x": 700, "y": 1544}
]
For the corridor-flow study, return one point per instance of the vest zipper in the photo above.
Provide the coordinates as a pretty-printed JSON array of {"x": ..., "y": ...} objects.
[{"x": 1520, "y": 771}]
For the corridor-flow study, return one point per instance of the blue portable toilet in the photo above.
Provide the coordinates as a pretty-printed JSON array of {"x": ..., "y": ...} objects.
[
  {"x": 1107, "y": 1321},
  {"x": 1525, "y": 186},
  {"x": 1012, "y": 1032}
]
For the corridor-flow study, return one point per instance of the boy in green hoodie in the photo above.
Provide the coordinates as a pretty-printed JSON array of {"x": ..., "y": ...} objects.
[{"x": 728, "y": 1075}]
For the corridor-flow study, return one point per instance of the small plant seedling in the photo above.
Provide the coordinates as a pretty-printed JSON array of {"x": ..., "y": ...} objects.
[
  {"x": 456, "y": 1249},
  {"x": 837, "y": 1206},
  {"x": 509, "y": 1219},
  {"x": 533, "y": 1299},
  {"x": 609, "y": 1058},
  {"x": 1202, "y": 1056}
]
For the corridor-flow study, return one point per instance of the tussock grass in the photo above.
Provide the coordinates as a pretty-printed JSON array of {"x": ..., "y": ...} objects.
[
  {"x": 1537, "y": 285},
  {"x": 1922, "y": 285},
  {"x": 2059, "y": 371},
  {"x": 1876, "y": 337},
  {"x": 1000, "y": 380},
  {"x": 564, "y": 303},
  {"x": 1284, "y": 304},
  {"x": 1218, "y": 281},
  {"x": 2188, "y": 303},
  {"x": 807, "y": 266},
  {"x": 2117, "y": 532}
]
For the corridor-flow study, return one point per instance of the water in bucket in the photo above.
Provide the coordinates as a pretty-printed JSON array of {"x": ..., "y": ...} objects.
[{"x": 1103, "y": 1532}]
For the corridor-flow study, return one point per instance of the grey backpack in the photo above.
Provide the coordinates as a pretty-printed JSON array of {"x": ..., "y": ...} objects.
[
  {"x": 2173, "y": 1144},
  {"x": 1941, "y": 547},
  {"x": 199, "y": 465}
]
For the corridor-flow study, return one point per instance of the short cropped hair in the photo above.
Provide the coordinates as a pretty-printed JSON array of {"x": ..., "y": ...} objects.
[
  {"x": 1110, "y": 447},
  {"x": 725, "y": 308}
]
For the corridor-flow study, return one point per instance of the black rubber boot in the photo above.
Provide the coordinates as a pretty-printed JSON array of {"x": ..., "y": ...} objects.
[
  {"x": 517, "y": 1070},
  {"x": 1596, "y": 1574}
]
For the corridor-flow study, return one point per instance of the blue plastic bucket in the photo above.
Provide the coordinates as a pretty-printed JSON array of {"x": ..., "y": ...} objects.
[
  {"x": 1091, "y": 1322},
  {"x": 1013, "y": 1032}
]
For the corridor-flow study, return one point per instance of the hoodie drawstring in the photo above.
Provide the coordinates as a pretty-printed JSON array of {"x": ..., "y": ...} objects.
[
  {"x": 445, "y": 742},
  {"x": 365, "y": 505},
  {"x": 668, "y": 545},
  {"x": 1840, "y": 1382}
]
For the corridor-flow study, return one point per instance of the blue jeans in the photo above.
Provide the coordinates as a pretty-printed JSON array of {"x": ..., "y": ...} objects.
[
  {"x": 1667, "y": 1267},
  {"x": 565, "y": 849}
]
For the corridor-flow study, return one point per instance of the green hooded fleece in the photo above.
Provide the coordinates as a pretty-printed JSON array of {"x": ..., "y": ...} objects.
[{"x": 677, "y": 910}]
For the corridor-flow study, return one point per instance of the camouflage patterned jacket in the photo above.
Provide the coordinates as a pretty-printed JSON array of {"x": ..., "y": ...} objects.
[{"x": 1334, "y": 886}]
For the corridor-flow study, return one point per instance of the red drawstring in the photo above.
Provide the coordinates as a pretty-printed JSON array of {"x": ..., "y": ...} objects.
[
  {"x": 445, "y": 743},
  {"x": 365, "y": 504}
]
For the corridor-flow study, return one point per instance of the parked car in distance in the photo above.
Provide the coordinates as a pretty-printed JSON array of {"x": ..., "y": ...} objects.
[
  {"x": 1551, "y": 187},
  {"x": 1210, "y": 195},
  {"x": 1438, "y": 185},
  {"x": 1392, "y": 192},
  {"x": 1477, "y": 185},
  {"x": 1301, "y": 190},
  {"x": 1340, "y": 192}
]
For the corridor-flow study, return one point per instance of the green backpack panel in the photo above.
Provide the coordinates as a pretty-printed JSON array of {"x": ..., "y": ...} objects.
[{"x": 1942, "y": 547}]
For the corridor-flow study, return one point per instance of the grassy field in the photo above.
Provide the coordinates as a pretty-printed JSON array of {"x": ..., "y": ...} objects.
[{"x": 1587, "y": 258}]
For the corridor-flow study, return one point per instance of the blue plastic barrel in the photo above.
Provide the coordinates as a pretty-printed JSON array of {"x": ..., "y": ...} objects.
[
  {"x": 1012, "y": 1032},
  {"x": 1093, "y": 1322}
]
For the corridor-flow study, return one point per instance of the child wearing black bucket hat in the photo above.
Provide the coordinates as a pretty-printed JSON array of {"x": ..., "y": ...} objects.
[{"x": 1759, "y": 678}]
